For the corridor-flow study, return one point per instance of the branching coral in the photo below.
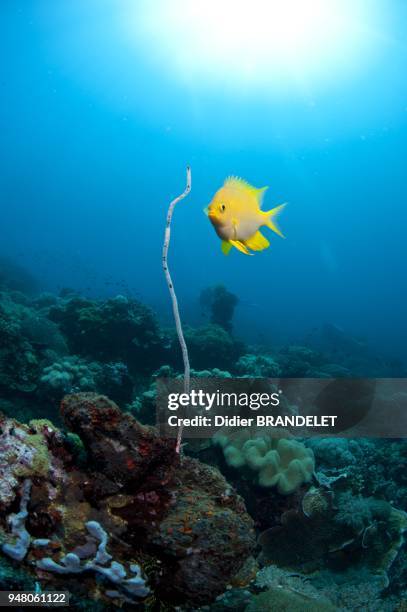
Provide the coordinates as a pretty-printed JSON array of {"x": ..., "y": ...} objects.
[
  {"x": 284, "y": 463},
  {"x": 117, "y": 329}
]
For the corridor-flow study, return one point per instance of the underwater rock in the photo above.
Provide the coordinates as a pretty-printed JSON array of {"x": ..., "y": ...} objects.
[
  {"x": 180, "y": 523},
  {"x": 187, "y": 510},
  {"x": 122, "y": 452}
]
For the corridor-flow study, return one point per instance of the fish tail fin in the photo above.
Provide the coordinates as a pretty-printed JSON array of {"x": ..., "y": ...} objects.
[{"x": 270, "y": 220}]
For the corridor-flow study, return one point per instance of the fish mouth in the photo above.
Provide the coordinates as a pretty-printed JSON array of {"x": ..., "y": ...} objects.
[{"x": 210, "y": 213}]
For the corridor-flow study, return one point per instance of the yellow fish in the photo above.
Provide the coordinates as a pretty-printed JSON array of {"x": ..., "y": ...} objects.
[{"x": 235, "y": 213}]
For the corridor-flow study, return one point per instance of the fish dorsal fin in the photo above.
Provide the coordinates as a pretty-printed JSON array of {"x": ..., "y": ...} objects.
[
  {"x": 236, "y": 182},
  {"x": 260, "y": 195}
]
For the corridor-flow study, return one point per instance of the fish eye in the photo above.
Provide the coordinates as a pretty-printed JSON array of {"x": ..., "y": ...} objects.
[{"x": 223, "y": 207}]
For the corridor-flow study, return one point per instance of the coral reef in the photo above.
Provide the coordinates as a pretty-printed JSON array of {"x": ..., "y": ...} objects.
[
  {"x": 340, "y": 532},
  {"x": 98, "y": 503},
  {"x": 118, "y": 329}
]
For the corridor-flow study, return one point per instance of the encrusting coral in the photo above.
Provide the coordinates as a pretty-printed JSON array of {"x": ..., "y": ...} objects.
[{"x": 280, "y": 462}]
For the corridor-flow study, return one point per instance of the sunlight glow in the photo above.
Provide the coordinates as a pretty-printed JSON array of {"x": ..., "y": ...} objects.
[{"x": 255, "y": 40}]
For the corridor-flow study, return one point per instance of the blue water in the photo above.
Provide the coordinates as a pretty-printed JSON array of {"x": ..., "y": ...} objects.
[{"x": 95, "y": 137}]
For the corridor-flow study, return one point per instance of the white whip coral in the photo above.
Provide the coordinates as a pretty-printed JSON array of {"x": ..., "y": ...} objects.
[{"x": 170, "y": 284}]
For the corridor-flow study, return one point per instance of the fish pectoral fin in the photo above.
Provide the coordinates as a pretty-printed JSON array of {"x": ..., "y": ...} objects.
[
  {"x": 226, "y": 246},
  {"x": 270, "y": 216},
  {"x": 240, "y": 246},
  {"x": 257, "y": 242}
]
